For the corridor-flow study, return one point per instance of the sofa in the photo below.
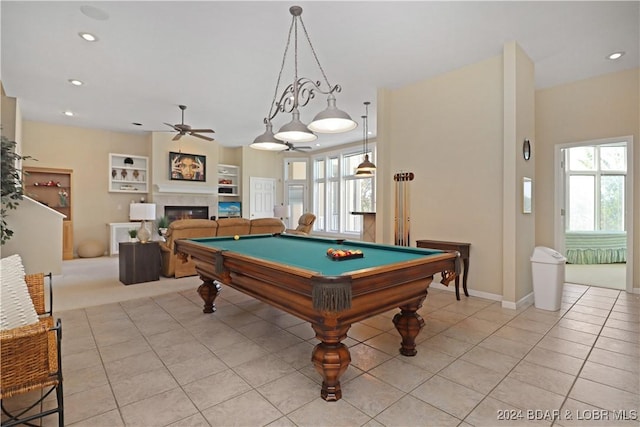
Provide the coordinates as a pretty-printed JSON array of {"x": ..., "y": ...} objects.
[{"x": 173, "y": 266}]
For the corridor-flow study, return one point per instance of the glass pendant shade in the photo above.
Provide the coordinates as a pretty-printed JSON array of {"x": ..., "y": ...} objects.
[
  {"x": 267, "y": 141},
  {"x": 332, "y": 119},
  {"x": 295, "y": 130}
]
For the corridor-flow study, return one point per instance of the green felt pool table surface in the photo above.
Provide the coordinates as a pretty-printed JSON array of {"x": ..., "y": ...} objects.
[{"x": 310, "y": 253}]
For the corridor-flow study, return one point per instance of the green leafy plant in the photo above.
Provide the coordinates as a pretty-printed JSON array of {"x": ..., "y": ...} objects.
[
  {"x": 133, "y": 233},
  {"x": 12, "y": 191},
  {"x": 162, "y": 222}
]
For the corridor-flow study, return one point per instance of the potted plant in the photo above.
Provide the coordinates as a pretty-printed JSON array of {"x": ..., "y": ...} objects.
[
  {"x": 11, "y": 185},
  {"x": 133, "y": 233},
  {"x": 163, "y": 224}
]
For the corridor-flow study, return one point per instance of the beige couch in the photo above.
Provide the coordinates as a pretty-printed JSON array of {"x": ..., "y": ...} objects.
[{"x": 172, "y": 266}]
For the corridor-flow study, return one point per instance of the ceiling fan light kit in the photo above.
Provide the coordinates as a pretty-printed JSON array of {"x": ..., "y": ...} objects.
[{"x": 298, "y": 94}]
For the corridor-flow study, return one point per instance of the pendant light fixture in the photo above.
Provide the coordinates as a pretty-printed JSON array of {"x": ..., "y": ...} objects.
[
  {"x": 297, "y": 95},
  {"x": 366, "y": 167}
]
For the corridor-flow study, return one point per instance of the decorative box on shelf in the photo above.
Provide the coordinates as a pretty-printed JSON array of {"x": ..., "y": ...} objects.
[{"x": 128, "y": 174}]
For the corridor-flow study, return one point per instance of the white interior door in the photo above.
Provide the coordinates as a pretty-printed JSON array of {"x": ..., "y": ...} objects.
[{"x": 262, "y": 196}]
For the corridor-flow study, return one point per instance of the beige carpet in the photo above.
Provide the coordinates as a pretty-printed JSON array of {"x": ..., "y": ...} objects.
[
  {"x": 612, "y": 276},
  {"x": 87, "y": 282}
]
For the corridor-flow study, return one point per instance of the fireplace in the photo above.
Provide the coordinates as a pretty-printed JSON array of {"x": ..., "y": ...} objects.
[{"x": 186, "y": 212}]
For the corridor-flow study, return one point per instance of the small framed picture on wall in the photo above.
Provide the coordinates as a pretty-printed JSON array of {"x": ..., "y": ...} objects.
[{"x": 187, "y": 167}]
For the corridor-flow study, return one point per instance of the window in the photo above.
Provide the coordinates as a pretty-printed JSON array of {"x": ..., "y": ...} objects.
[
  {"x": 338, "y": 191},
  {"x": 596, "y": 187}
]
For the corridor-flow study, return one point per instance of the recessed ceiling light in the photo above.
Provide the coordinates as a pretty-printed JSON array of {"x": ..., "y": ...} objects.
[
  {"x": 76, "y": 82},
  {"x": 88, "y": 37},
  {"x": 68, "y": 113},
  {"x": 615, "y": 55}
]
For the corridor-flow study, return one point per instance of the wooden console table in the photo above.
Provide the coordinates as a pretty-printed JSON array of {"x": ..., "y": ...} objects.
[
  {"x": 463, "y": 248},
  {"x": 139, "y": 262}
]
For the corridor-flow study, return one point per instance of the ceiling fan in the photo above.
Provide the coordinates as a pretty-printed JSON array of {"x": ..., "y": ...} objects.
[
  {"x": 183, "y": 129},
  {"x": 291, "y": 147}
]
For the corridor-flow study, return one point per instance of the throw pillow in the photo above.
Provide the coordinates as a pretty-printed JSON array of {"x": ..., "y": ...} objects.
[{"x": 16, "y": 306}]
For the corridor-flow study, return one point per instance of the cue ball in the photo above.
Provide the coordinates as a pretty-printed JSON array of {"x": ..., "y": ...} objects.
[{"x": 236, "y": 237}]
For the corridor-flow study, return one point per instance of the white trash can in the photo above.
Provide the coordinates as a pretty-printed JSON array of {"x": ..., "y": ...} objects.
[{"x": 547, "y": 268}]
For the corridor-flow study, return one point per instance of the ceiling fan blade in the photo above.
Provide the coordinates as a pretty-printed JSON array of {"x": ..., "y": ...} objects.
[
  {"x": 170, "y": 125},
  {"x": 177, "y": 137},
  {"x": 203, "y": 130},
  {"x": 200, "y": 136}
]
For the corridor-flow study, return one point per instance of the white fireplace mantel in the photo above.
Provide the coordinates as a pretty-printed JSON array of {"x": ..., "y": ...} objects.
[{"x": 185, "y": 189}]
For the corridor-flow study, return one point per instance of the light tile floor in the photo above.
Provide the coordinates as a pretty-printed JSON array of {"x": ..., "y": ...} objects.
[{"x": 159, "y": 361}]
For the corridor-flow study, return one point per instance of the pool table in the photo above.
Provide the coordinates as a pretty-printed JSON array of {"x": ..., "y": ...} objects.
[{"x": 295, "y": 274}]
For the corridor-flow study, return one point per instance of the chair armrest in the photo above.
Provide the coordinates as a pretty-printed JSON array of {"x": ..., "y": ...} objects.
[
  {"x": 30, "y": 357},
  {"x": 36, "y": 286}
]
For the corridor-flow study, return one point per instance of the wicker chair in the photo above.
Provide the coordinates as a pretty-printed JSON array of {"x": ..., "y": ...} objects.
[{"x": 31, "y": 359}]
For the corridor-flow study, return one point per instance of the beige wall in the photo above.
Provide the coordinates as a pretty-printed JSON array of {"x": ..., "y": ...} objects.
[
  {"x": 601, "y": 107},
  {"x": 448, "y": 131},
  {"x": 86, "y": 152}
]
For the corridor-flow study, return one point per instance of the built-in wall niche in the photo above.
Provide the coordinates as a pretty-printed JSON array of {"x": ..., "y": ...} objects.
[{"x": 128, "y": 174}]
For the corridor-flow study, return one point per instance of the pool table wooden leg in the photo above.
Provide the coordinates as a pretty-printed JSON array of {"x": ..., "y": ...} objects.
[
  {"x": 208, "y": 291},
  {"x": 331, "y": 358},
  {"x": 409, "y": 323}
]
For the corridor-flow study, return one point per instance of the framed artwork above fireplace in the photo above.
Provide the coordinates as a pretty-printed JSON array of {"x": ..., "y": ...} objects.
[{"x": 187, "y": 167}]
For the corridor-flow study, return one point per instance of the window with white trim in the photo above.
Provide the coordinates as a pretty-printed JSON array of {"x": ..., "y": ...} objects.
[
  {"x": 338, "y": 191},
  {"x": 596, "y": 178}
]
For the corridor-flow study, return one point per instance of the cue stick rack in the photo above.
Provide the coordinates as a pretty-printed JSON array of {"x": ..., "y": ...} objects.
[{"x": 402, "y": 218}]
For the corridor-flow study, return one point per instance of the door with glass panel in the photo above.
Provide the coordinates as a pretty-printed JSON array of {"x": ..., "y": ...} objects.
[
  {"x": 595, "y": 220},
  {"x": 295, "y": 191}
]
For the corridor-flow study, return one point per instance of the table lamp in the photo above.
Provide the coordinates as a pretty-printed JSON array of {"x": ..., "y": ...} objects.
[{"x": 142, "y": 212}]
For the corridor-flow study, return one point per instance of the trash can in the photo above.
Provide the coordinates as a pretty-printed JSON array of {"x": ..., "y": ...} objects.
[{"x": 547, "y": 268}]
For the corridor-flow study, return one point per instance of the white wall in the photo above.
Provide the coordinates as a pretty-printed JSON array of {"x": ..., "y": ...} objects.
[{"x": 37, "y": 237}]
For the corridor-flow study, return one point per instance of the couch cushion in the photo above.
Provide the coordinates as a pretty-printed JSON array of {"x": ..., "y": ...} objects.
[
  {"x": 266, "y": 226},
  {"x": 233, "y": 226},
  {"x": 16, "y": 306},
  {"x": 182, "y": 224}
]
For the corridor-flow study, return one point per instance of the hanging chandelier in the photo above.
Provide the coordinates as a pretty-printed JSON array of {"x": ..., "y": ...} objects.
[
  {"x": 297, "y": 95},
  {"x": 366, "y": 167}
]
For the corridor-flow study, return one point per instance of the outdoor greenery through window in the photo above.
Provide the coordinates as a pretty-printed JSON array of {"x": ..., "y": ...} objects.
[
  {"x": 338, "y": 191},
  {"x": 596, "y": 187}
]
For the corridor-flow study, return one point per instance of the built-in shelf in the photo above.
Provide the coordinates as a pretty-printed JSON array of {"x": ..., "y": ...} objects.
[
  {"x": 128, "y": 174},
  {"x": 52, "y": 188},
  {"x": 228, "y": 180}
]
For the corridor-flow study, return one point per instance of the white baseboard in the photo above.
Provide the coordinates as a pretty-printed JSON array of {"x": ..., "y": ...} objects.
[{"x": 523, "y": 302}]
